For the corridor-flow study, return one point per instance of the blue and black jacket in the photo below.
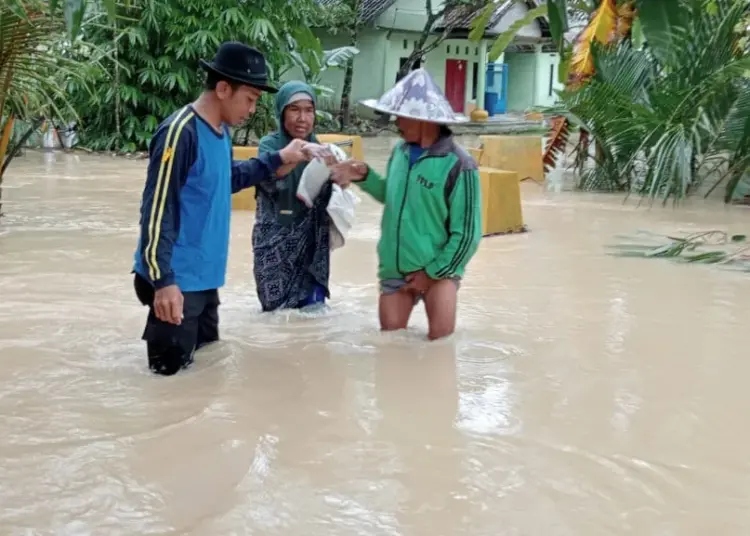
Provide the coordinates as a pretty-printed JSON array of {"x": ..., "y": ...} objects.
[{"x": 186, "y": 205}]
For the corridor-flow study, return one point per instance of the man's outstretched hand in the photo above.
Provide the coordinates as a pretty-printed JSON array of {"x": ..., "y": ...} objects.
[
  {"x": 303, "y": 151},
  {"x": 348, "y": 171},
  {"x": 168, "y": 302}
]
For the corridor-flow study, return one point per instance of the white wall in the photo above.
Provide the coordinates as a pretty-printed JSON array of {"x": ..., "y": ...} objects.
[{"x": 517, "y": 12}]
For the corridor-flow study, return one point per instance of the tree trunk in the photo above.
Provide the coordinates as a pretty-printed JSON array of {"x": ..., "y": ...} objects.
[
  {"x": 7, "y": 133},
  {"x": 346, "y": 92},
  {"x": 420, "y": 49},
  {"x": 116, "y": 56},
  {"x": 13, "y": 151}
]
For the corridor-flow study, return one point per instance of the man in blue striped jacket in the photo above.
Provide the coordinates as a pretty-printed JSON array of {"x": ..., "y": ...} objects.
[{"x": 181, "y": 258}]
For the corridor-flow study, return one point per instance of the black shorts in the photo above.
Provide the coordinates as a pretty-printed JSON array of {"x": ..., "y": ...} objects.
[{"x": 171, "y": 347}]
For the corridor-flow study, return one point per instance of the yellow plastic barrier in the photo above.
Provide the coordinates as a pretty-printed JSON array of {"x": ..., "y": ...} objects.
[
  {"x": 501, "y": 194},
  {"x": 501, "y": 201},
  {"x": 245, "y": 200},
  {"x": 522, "y": 154}
]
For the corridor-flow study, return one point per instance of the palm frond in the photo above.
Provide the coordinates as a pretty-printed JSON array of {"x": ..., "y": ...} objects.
[{"x": 36, "y": 64}]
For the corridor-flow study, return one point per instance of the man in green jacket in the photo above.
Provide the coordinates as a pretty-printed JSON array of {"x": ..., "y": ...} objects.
[{"x": 432, "y": 221}]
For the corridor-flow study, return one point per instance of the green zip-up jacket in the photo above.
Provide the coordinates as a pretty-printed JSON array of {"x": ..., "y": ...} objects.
[{"x": 432, "y": 218}]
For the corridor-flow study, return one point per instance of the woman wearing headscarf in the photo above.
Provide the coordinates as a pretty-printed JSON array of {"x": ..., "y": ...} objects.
[{"x": 291, "y": 242}]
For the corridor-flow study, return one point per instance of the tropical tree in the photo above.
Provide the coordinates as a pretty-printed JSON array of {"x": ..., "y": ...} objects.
[
  {"x": 73, "y": 12},
  {"x": 35, "y": 65},
  {"x": 667, "y": 102},
  {"x": 609, "y": 23},
  {"x": 659, "y": 87},
  {"x": 155, "y": 51},
  {"x": 352, "y": 27}
]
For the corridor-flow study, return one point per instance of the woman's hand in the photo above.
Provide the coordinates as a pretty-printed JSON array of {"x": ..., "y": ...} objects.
[
  {"x": 295, "y": 152},
  {"x": 321, "y": 152}
]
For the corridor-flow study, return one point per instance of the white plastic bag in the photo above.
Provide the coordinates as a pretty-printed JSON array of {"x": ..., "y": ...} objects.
[
  {"x": 341, "y": 210},
  {"x": 340, "y": 206},
  {"x": 315, "y": 175}
]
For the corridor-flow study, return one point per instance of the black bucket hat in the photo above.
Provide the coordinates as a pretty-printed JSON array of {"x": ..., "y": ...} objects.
[{"x": 240, "y": 63}]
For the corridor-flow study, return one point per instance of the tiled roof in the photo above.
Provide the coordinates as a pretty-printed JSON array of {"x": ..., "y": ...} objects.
[
  {"x": 369, "y": 10},
  {"x": 461, "y": 17}
]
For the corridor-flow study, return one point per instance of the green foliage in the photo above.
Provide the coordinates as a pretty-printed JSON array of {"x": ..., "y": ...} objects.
[
  {"x": 669, "y": 114},
  {"x": 705, "y": 247},
  {"x": 36, "y": 62},
  {"x": 155, "y": 49},
  {"x": 69, "y": 13},
  {"x": 557, "y": 14},
  {"x": 313, "y": 64},
  {"x": 480, "y": 22}
]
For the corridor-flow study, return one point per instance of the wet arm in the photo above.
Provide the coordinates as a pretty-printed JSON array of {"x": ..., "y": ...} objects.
[
  {"x": 172, "y": 152},
  {"x": 269, "y": 184},
  {"x": 465, "y": 227},
  {"x": 255, "y": 171},
  {"x": 374, "y": 184},
  {"x": 285, "y": 170}
]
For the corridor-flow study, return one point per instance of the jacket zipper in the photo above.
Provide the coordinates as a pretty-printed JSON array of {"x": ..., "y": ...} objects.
[{"x": 401, "y": 210}]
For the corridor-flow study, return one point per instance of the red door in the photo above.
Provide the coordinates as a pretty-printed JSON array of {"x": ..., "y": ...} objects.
[{"x": 455, "y": 84}]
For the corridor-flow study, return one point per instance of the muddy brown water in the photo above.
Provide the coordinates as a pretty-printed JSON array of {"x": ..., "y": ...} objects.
[{"x": 581, "y": 395}]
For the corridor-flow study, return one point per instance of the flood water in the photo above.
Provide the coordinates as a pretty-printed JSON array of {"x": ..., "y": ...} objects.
[{"x": 582, "y": 394}]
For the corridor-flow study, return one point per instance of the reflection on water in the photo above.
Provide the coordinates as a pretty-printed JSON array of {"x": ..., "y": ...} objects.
[{"x": 581, "y": 394}]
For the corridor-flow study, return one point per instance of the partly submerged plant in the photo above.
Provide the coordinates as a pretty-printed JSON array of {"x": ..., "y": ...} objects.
[{"x": 705, "y": 247}]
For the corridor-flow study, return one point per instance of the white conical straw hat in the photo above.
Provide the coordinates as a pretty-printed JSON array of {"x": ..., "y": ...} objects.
[{"x": 417, "y": 96}]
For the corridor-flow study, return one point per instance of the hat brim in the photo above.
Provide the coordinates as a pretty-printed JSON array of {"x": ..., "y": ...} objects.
[
  {"x": 373, "y": 104},
  {"x": 244, "y": 81}
]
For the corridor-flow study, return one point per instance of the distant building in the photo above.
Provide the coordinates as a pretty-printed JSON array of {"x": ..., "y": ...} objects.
[{"x": 391, "y": 27}]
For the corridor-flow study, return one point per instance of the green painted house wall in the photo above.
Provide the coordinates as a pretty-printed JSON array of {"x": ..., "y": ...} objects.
[
  {"x": 530, "y": 75},
  {"x": 379, "y": 60},
  {"x": 400, "y": 45},
  {"x": 369, "y": 66},
  {"x": 521, "y": 79}
]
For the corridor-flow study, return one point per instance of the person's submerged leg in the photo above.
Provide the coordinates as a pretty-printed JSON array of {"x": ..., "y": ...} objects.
[
  {"x": 440, "y": 303},
  {"x": 208, "y": 322},
  {"x": 395, "y": 305},
  {"x": 170, "y": 347},
  {"x": 317, "y": 296}
]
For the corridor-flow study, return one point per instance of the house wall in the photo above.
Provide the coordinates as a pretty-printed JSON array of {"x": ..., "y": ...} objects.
[
  {"x": 529, "y": 79},
  {"x": 367, "y": 81},
  {"x": 547, "y": 65},
  {"x": 401, "y": 44},
  {"x": 521, "y": 80},
  {"x": 382, "y": 47},
  {"x": 378, "y": 62}
]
